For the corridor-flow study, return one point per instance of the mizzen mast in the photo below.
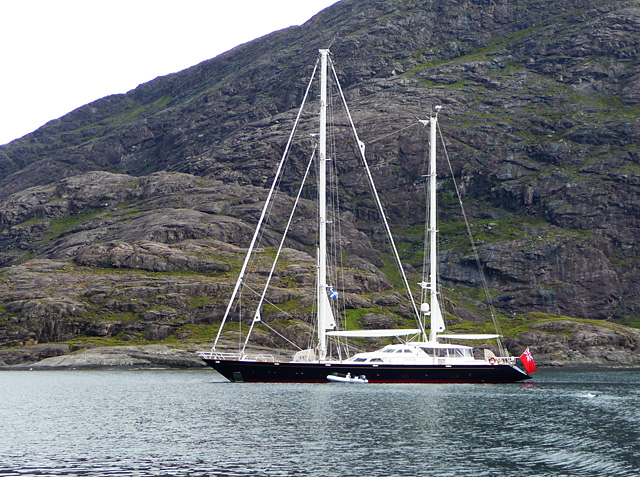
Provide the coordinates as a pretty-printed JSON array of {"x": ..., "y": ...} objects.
[{"x": 432, "y": 308}]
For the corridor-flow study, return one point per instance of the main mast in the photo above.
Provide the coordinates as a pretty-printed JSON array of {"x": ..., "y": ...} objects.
[{"x": 322, "y": 213}]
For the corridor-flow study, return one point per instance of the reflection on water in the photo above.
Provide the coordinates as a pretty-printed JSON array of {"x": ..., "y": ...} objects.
[{"x": 146, "y": 423}]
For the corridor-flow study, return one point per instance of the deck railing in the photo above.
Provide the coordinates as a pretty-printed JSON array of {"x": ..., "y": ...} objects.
[
  {"x": 218, "y": 355},
  {"x": 235, "y": 356}
]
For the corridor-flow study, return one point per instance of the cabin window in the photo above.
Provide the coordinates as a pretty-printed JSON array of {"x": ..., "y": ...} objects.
[
  {"x": 408, "y": 351},
  {"x": 360, "y": 360},
  {"x": 428, "y": 351},
  {"x": 456, "y": 353},
  {"x": 390, "y": 350},
  {"x": 375, "y": 360}
]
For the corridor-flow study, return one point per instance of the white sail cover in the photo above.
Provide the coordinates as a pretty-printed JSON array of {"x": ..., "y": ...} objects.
[
  {"x": 374, "y": 333},
  {"x": 329, "y": 320}
]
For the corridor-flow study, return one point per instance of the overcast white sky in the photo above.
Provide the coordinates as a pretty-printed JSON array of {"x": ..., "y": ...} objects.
[{"x": 57, "y": 55}]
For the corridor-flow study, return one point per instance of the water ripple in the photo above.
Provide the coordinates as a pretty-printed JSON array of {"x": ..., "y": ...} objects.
[{"x": 184, "y": 424}]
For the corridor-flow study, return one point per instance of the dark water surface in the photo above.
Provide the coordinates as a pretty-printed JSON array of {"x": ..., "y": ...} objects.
[{"x": 188, "y": 423}]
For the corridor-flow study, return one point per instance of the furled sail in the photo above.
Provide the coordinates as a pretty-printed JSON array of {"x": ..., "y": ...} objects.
[
  {"x": 329, "y": 320},
  {"x": 437, "y": 323}
]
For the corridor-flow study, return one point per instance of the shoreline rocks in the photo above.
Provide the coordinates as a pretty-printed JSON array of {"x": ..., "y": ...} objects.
[{"x": 117, "y": 357}]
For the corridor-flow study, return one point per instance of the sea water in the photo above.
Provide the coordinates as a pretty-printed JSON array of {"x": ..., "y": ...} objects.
[{"x": 192, "y": 423}]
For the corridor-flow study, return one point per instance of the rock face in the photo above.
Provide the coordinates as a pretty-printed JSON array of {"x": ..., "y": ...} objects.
[
  {"x": 32, "y": 354},
  {"x": 128, "y": 217},
  {"x": 563, "y": 342}
]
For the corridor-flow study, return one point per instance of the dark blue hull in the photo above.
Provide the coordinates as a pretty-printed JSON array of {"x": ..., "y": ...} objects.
[{"x": 290, "y": 372}]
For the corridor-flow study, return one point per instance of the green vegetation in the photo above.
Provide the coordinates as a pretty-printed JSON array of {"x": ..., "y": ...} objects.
[
  {"x": 390, "y": 269},
  {"x": 199, "y": 302},
  {"x": 137, "y": 110},
  {"x": 194, "y": 333},
  {"x": 116, "y": 316},
  {"x": 351, "y": 320},
  {"x": 28, "y": 255},
  {"x": 508, "y": 228},
  {"x": 633, "y": 321},
  {"x": 183, "y": 336},
  {"x": 60, "y": 226},
  {"x": 527, "y": 319}
]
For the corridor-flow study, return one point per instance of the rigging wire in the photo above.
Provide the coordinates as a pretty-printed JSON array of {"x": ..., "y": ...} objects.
[
  {"x": 333, "y": 207},
  {"x": 255, "y": 292},
  {"x": 281, "y": 336},
  {"x": 337, "y": 251},
  {"x": 275, "y": 259},
  {"x": 483, "y": 279},
  {"x": 413, "y": 125},
  {"x": 378, "y": 203},
  {"x": 261, "y": 219}
]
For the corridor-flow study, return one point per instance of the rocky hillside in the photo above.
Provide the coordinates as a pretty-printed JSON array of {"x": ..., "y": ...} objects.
[{"x": 125, "y": 220}]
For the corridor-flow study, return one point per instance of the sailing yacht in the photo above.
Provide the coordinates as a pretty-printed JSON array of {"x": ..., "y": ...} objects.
[{"x": 425, "y": 355}]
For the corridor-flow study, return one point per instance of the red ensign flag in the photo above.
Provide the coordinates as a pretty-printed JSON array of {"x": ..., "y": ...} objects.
[{"x": 527, "y": 360}]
